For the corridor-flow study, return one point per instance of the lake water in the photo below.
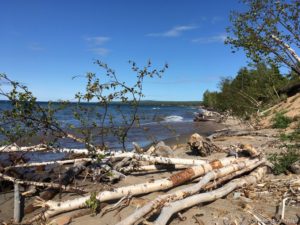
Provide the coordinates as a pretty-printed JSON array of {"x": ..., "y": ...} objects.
[{"x": 156, "y": 121}]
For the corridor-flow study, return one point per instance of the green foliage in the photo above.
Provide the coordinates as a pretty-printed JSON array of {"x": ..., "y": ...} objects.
[
  {"x": 266, "y": 30},
  {"x": 293, "y": 136},
  {"x": 281, "y": 121},
  {"x": 282, "y": 162},
  {"x": 248, "y": 92},
  {"x": 93, "y": 203},
  {"x": 110, "y": 90},
  {"x": 25, "y": 117},
  {"x": 100, "y": 157}
]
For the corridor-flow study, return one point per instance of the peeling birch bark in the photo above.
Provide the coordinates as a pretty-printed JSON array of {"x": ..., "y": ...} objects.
[
  {"x": 176, "y": 179},
  {"x": 162, "y": 200},
  {"x": 232, "y": 175},
  {"x": 188, "y": 202}
]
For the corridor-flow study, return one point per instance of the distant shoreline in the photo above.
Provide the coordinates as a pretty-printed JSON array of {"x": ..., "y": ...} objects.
[{"x": 142, "y": 103}]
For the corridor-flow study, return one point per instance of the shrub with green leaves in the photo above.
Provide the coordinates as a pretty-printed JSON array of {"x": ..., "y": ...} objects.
[
  {"x": 281, "y": 121},
  {"x": 26, "y": 117},
  {"x": 282, "y": 162},
  {"x": 93, "y": 203}
]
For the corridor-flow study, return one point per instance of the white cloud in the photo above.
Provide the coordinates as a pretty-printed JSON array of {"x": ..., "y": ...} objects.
[
  {"x": 174, "y": 32},
  {"x": 36, "y": 47},
  {"x": 96, "y": 45},
  {"x": 100, "y": 51},
  {"x": 212, "y": 39},
  {"x": 99, "y": 40},
  {"x": 216, "y": 19}
]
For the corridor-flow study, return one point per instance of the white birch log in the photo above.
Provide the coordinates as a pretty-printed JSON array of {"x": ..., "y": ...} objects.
[
  {"x": 151, "y": 168},
  {"x": 15, "y": 148},
  {"x": 158, "y": 159},
  {"x": 41, "y": 184},
  {"x": 232, "y": 175},
  {"x": 176, "y": 179},
  {"x": 188, "y": 202},
  {"x": 60, "y": 162},
  {"x": 17, "y": 203},
  {"x": 43, "y": 147},
  {"x": 162, "y": 200}
]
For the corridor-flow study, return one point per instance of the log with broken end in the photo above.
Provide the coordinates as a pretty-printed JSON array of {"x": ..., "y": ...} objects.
[
  {"x": 176, "y": 179},
  {"x": 59, "y": 162},
  {"x": 158, "y": 159},
  {"x": 188, "y": 202},
  {"x": 160, "y": 201},
  {"x": 42, "y": 184},
  {"x": 68, "y": 177}
]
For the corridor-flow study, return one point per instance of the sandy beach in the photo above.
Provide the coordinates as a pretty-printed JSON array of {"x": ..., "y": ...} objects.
[{"x": 234, "y": 207}]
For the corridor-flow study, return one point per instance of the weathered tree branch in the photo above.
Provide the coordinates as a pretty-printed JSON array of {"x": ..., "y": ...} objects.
[
  {"x": 176, "y": 179},
  {"x": 188, "y": 202},
  {"x": 160, "y": 201}
]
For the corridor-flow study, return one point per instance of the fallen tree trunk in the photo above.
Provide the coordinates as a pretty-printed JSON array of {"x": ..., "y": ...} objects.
[
  {"x": 16, "y": 148},
  {"x": 188, "y": 202},
  {"x": 176, "y": 179},
  {"x": 231, "y": 133},
  {"x": 202, "y": 146},
  {"x": 60, "y": 162},
  {"x": 160, "y": 201},
  {"x": 155, "y": 167},
  {"x": 232, "y": 175},
  {"x": 45, "y": 148},
  {"x": 158, "y": 159},
  {"x": 42, "y": 184},
  {"x": 65, "y": 180}
]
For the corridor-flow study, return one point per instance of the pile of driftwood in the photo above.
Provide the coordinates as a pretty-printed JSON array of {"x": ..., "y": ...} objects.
[{"x": 209, "y": 180}]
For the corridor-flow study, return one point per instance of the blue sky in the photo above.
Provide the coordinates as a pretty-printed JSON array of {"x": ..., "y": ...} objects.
[{"x": 45, "y": 43}]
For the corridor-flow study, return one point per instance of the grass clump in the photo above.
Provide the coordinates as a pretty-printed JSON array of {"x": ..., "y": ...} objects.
[
  {"x": 294, "y": 136},
  {"x": 282, "y": 162},
  {"x": 93, "y": 203},
  {"x": 281, "y": 121}
]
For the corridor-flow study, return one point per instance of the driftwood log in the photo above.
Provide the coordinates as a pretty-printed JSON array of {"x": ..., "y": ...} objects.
[
  {"x": 67, "y": 178},
  {"x": 158, "y": 159},
  {"x": 42, "y": 184},
  {"x": 155, "y": 167},
  {"x": 176, "y": 179},
  {"x": 160, "y": 201},
  {"x": 202, "y": 146},
  {"x": 59, "y": 162},
  {"x": 232, "y": 133},
  {"x": 188, "y": 202}
]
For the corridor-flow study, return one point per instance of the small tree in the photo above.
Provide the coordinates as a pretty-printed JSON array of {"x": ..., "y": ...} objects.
[
  {"x": 103, "y": 94},
  {"x": 269, "y": 30},
  {"x": 26, "y": 117}
]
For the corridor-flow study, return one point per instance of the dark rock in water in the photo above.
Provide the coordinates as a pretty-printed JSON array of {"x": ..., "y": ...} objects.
[
  {"x": 295, "y": 167},
  {"x": 161, "y": 149}
]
